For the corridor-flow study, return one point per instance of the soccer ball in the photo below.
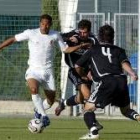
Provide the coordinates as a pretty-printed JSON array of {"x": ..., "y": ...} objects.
[{"x": 35, "y": 126}]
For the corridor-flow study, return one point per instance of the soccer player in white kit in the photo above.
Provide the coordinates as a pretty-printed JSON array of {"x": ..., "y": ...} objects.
[{"x": 41, "y": 43}]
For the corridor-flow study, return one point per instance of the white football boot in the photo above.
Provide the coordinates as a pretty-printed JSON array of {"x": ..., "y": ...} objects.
[
  {"x": 92, "y": 135},
  {"x": 89, "y": 136}
]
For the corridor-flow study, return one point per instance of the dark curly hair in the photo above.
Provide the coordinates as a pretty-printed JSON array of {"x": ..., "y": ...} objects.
[
  {"x": 106, "y": 34},
  {"x": 46, "y": 16},
  {"x": 84, "y": 24}
]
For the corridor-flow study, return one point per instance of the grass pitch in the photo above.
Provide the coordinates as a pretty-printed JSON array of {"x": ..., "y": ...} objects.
[{"x": 68, "y": 129}]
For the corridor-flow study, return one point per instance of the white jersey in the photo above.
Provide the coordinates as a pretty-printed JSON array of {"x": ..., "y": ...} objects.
[{"x": 41, "y": 46}]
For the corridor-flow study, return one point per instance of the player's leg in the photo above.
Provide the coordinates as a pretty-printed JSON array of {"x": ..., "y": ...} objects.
[
  {"x": 48, "y": 85},
  {"x": 50, "y": 98},
  {"x": 48, "y": 101},
  {"x": 71, "y": 101},
  {"x": 90, "y": 121},
  {"x": 101, "y": 97},
  {"x": 123, "y": 100},
  {"x": 34, "y": 89},
  {"x": 33, "y": 80},
  {"x": 82, "y": 94},
  {"x": 130, "y": 113},
  {"x": 89, "y": 116},
  {"x": 34, "y": 86},
  {"x": 75, "y": 99},
  {"x": 81, "y": 98},
  {"x": 126, "y": 110}
]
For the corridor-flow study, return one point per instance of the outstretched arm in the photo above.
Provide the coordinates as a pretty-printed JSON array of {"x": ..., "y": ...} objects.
[
  {"x": 127, "y": 67},
  {"x": 7, "y": 42},
  {"x": 69, "y": 49},
  {"x": 75, "y": 48}
]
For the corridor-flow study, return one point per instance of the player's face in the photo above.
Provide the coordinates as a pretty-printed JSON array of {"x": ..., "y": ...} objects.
[
  {"x": 84, "y": 33},
  {"x": 45, "y": 26}
]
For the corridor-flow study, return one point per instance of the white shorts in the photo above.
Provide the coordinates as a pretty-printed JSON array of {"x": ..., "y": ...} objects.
[{"x": 44, "y": 76}]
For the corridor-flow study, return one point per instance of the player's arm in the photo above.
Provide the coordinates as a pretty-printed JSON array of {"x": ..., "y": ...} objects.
[
  {"x": 127, "y": 67},
  {"x": 18, "y": 37},
  {"x": 126, "y": 64},
  {"x": 7, "y": 42},
  {"x": 69, "y": 49}
]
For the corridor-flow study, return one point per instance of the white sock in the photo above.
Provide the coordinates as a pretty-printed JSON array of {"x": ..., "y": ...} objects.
[
  {"x": 46, "y": 105},
  {"x": 38, "y": 104}
]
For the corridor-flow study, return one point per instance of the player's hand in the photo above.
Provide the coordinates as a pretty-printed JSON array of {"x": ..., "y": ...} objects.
[
  {"x": 134, "y": 77},
  {"x": 73, "y": 39},
  {"x": 89, "y": 76}
]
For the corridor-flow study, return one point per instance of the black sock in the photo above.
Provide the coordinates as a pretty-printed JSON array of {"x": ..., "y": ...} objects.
[
  {"x": 131, "y": 114},
  {"x": 89, "y": 118},
  {"x": 71, "y": 101}
]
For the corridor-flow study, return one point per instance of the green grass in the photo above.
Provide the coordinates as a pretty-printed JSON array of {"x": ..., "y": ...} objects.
[{"x": 68, "y": 129}]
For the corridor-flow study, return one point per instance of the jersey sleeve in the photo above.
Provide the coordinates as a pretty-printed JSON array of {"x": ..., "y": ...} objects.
[
  {"x": 123, "y": 56},
  {"x": 63, "y": 46},
  {"x": 84, "y": 60},
  {"x": 22, "y": 36}
]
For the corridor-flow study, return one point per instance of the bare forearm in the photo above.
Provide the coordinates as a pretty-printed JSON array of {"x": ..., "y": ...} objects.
[
  {"x": 71, "y": 49},
  {"x": 7, "y": 42},
  {"x": 126, "y": 66}
]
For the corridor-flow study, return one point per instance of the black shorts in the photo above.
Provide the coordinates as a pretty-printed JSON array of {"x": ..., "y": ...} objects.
[
  {"x": 111, "y": 90},
  {"x": 76, "y": 79}
]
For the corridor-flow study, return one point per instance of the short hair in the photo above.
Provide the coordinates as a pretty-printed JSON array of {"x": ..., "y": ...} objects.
[
  {"x": 46, "y": 16},
  {"x": 84, "y": 24},
  {"x": 106, "y": 34}
]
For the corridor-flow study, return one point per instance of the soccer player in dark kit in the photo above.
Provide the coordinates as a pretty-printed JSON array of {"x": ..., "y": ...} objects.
[
  {"x": 108, "y": 63},
  {"x": 74, "y": 38}
]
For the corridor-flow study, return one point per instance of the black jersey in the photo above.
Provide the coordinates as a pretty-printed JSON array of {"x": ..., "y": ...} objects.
[
  {"x": 71, "y": 58},
  {"x": 104, "y": 59}
]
